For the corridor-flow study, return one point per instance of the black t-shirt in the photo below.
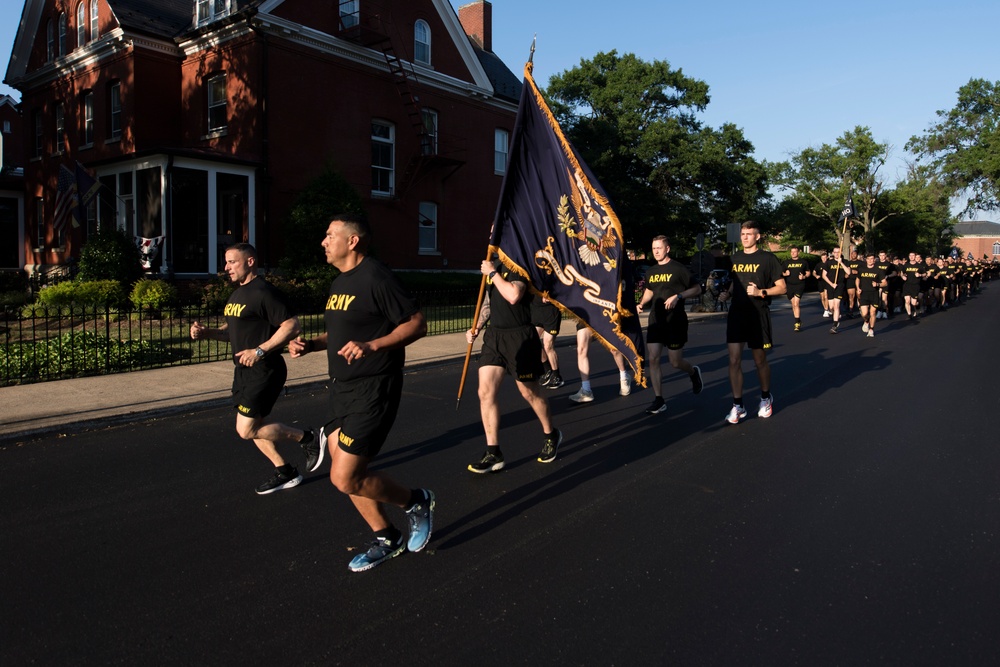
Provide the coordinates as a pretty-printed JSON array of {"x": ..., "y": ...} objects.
[
  {"x": 867, "y": 276},
  {"x": 503, "y": 314},
  {"x": 761, "y": 268},
  {"x": 794, "y": 268},
  {"x": 913, "y": 273},
  {"x": 253, "y": 313},
  {"x": 664, "y": 281},
  {"x": 855, "y": 265},
  {"x": 365, "y": 303},
  {"x": 835, "y": 275}
]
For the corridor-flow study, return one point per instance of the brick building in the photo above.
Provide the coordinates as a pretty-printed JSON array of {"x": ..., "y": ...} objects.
[
  {"x": 11, "y": 186},
  {"x": 979, "y": 237},
  {"x": 204, "y": 118}
]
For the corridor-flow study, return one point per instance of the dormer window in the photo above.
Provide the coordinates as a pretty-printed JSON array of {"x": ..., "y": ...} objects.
[
  {"x": 348, "y": 14},
  {"x": 210, "y": 10},
  {"x": 422, "y": 42}
]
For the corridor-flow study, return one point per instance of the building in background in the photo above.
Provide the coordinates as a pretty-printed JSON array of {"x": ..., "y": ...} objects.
[
  {"x": 203, "y": 119},
  {"x": 981, "y": 238}
]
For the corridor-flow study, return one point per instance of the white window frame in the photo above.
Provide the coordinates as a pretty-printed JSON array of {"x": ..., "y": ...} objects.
[
  {"x": 214, "y": 104},
  {"x": 95, "y": 25},
  {"x": 996, "y": 248},
  {"x": 88, "y": 119},
  {"x": 115, "y": 110},
  {"x": 422, "y": 47},
  {"x": 501, "y": 150},
  {"x": 390, "y": 141},
  {"x": 207, "y": 11},
  {"x": 429, "y": 141},
  {"x": 349, "y": 14},
  {"x": 427, "y": 228},
  {"x": 81, "y": 24}
]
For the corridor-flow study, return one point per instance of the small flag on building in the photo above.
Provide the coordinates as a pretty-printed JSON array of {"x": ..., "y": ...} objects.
[
  {"x": 556, "y": 227},
  {"x": 67, "y": 200}
]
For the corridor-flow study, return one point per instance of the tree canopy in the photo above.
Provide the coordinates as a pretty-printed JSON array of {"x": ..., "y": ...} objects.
[
  {"x": 635, "y": 123},
  {"x": 963, "y": 147}
]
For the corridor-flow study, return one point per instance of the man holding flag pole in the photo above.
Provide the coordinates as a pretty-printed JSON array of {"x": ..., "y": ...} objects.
[{"x": 556, "y": 236}]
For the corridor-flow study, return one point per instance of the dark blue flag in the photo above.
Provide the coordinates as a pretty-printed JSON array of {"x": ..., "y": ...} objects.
[
  {"x": 556, "y": 227},
  {"x": 848, "y": 211}
]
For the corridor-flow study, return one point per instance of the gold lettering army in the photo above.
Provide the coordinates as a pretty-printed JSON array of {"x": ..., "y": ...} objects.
[
  {"x": 234, "y": 310},
  {"x": 660, "y": 277},
  {"x": 339, "y": 301},
  {"x": 746, "y": 268}
]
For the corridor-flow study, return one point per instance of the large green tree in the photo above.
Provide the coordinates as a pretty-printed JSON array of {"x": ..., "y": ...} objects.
[
  {"x": 635, "y": 123},
  {"x": 963, "y": 147},
  {"x": 819, "y": 180}
]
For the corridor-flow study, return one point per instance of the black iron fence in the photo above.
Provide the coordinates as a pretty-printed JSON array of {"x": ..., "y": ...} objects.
[{"x": 40, "y": 344}]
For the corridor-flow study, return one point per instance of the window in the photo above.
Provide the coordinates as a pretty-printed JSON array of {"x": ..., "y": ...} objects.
[
  {"x": 60, "y": 138},
  {"x": 217, "y": 103},
  {"x": 422, "y": 42},
  {"x": 50, "y": 41},
  {"x": 88, "y": 119},
  {"x": 427, "y": 229},
  {"x": 39, "y": 219},
  {"x": 95, "y": 25},
  {"x": 115, "y": 110},
  {"x": 500, "y": 151},
  {"x": 62, "y": 34},
  {"x": 209, "y": 10},
  {"x": 429, "y": 140},
  {"x": 996, "y": 248},
  {"x": 39, "y": 134},
  {"x": 383, "y": 149},
  {"x": 6, "y": 127},
  {"x": 348, "y": 14},
  {"x": 81, "y": 24}
]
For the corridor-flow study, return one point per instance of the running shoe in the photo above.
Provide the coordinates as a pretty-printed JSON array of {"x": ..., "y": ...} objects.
[
  {"x": 826, "y": 313},
  {"x": 380, "y": 550},
  {"x": 555, "y": 381},
  {"x": 766, "y": 407},
  {"x": 582, "y": 396},
  {"x": 421, "y": 518},
  {"x": 835, "y": 329},
  {"x": 489, "y": 463},
  {"x": 315, "y": 449},
  {"x": 626, "y": 387},
  {"x": 798, "y": 326},
  {"x": 549, "y": 447},
  {"x": 871, "y": 333},
  {"x": 864, "y": 327},
  {"x": 657, "y": 406},
  {"x": 737, "y": 414},
  {"x": 280, "y": 481},
  {"x": 696, "y": 384},
  {"x": 544, "y": 380}
]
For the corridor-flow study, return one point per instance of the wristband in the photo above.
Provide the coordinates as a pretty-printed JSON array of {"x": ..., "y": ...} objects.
[
  {"x": 492, "y": 273},
  {"x": 310, "y": 345}
]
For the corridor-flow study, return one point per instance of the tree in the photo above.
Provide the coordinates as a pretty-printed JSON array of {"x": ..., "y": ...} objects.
[
  {"x": 820, "y": 180},
  {"x": 635, "y": 125},
  {"x": 924, "y": 221},
  {"x": 963, "y": 147}
]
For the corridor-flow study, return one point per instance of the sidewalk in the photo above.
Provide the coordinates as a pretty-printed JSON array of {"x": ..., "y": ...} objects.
[{"x": 46, "y": 407}]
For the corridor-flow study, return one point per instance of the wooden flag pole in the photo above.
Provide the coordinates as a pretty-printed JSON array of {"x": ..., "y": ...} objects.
[{"x": 468, "y": 351}]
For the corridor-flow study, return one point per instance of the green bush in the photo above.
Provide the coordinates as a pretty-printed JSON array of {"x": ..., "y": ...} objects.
[
  {"x": 13, "y": 281},
  {"x": 86, "y": 294},
  {"x": 217, "y": 292},
  {"x": 153, "y": 296},
  {"x": 78, "y": 353},
  {"x": 110, "y": 254}
]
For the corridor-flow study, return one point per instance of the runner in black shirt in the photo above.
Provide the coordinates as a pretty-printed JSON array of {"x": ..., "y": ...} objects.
[{"x": 796, "y": 270}]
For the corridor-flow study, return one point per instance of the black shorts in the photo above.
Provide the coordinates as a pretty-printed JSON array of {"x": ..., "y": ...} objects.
[
  {"x": 672, "y": 334},
  {"x": 869, "y": 299},
  {"x": 838, "y": 292},
  {"x": 518, "y": 351},
  {"x": 364, "y": 410},
  {"x": 546, "y": 316},
  {"x": 749, "y": 324},
  {"x": 256, "y": 388},
  {"x": 794, "y": 290}
]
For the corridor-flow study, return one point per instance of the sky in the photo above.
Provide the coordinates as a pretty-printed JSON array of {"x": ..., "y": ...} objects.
[{"x": 791, "y": 74}]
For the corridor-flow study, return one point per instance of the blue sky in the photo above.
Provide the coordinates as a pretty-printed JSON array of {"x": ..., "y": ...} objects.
[{"x": 791, "y": 74}]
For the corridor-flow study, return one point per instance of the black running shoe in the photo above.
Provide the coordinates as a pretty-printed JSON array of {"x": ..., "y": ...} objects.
[
  {"x": 546, "y": 377},
  {"x": 489, "y": 463},
  {"x": 696, "y": 384},
  {"x": 315, "y": 449},
  {"x": 657, "y": 406},
  {"x": 549, "y": 447},
  {"x": 555, "y": 381},
  {"x": 280, "y": 481}
]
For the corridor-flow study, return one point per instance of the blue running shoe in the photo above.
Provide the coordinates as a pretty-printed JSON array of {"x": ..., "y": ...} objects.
[
  {"x": 381, "y": 550},
  {"x": 421, "y": 518}
]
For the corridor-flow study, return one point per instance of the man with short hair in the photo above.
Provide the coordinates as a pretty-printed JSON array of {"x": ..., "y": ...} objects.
[
  {"x": 370, "y": 318},
  {"x": 824, "y": 295},
  {"x": 795, "y": 273},
  {"x": 668, "y": 285},
  {"x": 853, "y": 264},
  {"x": 510, "y": 346},
  {"x": 912, "y": 275},
  {"x": 884, "y": 263},
  {"x": 835, "y": 274},
  {"x": 258, "y": 325},
  {"x": 869, "y": 282},
  {"x": 756, "y": 278}
]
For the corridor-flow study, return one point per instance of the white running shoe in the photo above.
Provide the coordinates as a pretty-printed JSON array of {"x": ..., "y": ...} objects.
[
  {"x": 864, "y": 327},
  {"x": 737, "y": 414},
  {"x": 582, "y": 396},
  {"x": 765, "y": 409},
  {"x": 871, "y": 333},
  {"x": 826, "y": 313},
  {"x": 626, "y": 387}
]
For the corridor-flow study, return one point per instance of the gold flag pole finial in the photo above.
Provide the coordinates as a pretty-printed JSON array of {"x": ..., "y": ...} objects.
[{"x": 530, "y": 65}]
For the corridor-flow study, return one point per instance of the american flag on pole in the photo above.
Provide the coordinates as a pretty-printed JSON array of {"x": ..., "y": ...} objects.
[
  {"x": 555, "y": 226},
  {"x": 67, "y": 200}
]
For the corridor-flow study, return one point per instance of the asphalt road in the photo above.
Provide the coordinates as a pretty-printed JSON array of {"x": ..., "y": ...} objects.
[{"x": 858, "y": 525}]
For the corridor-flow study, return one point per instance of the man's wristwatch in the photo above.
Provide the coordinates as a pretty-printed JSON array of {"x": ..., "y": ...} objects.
[
  {"x": 492, "y": 273},
  {"x": 260, "y": 352},
  {"x": 763, "y": 293}
]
